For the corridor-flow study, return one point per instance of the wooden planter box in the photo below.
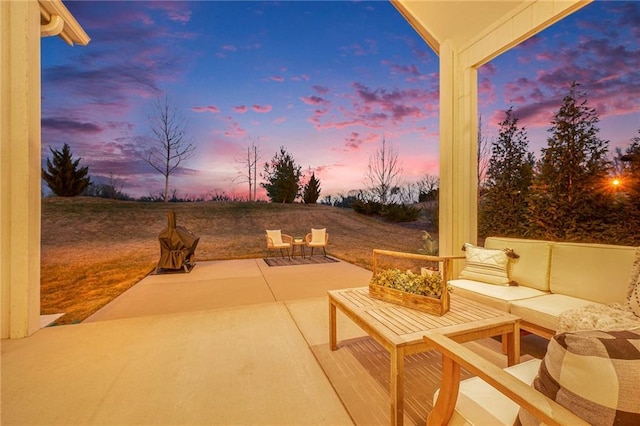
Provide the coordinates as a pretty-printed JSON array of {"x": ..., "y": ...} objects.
[{"x": 431, "y": 305}]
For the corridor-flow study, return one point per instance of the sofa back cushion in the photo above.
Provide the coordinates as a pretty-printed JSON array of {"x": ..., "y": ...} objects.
[
  {"x": 531, "y": 269},
  {"x": 594, "y": 374},
  {"x": 595, "y": 272}
]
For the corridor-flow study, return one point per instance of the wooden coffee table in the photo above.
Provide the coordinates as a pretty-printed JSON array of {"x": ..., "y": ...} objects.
[{"x": 400, "y": 330}]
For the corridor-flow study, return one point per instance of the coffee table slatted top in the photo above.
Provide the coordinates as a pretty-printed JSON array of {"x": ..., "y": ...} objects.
[{"x": 406, "y": 324}]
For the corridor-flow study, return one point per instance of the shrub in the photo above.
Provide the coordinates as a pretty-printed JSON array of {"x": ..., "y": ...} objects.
[
  {"x": 368, "y": 208},
  {"x": 400, "y": 213}
]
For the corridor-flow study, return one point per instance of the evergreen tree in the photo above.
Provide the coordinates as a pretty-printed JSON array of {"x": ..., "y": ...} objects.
[
  {"x": 628, "y": 193},
  {"x": 632, "y": 170},
  {"x": 311, "y": 191},
  {"x": 63, "y": 176},
  {"x": 569, "y": 200},
  {"x": 503, "y": 208},
  {"x": 282, "y": 178}
]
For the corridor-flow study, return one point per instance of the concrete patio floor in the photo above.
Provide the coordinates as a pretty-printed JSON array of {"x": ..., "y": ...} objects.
[
  {"x": 216, "y": 346},
  {"x": 232, "y": 342}
]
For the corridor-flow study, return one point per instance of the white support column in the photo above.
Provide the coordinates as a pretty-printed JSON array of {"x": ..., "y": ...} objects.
[
  {"x": 20, "y": 167},
  {"x": 458, "y": 152}
]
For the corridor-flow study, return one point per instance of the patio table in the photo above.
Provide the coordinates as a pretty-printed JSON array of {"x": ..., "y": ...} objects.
[{"x": 400, "y": 330}]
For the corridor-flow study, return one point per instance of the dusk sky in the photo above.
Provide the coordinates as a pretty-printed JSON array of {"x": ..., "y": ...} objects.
[{"x": 327, "y": 80}]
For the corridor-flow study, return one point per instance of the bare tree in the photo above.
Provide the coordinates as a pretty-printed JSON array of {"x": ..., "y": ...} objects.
[
  {"x": 428, "y": 188},
  {"x": 384, "y": 172},
  {"x": 170, "y": 146},
  {"x": 249, "y": 168}
]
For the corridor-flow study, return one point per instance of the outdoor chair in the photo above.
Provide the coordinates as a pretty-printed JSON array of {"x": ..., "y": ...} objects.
[
  {"x": 317, "y": 238},
  {"x": 277, "y": 240}
]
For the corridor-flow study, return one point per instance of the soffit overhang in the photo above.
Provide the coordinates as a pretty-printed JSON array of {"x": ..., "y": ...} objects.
[
  {"x": 464, "y": 23},
  {"x": 56, "y": 20}
]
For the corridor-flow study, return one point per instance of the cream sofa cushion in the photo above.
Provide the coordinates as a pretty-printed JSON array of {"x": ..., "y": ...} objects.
[
  {"x": 531, "y": 269},
  {"x": 481, "y": 404},
  {"x": 595, "y": 272},
  {"x": 496, "y": 296},
  {"x": 545, "y": 310}
]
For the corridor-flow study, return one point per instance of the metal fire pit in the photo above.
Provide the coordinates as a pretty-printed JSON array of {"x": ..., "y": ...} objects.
[{"x": 177, "y": 247}]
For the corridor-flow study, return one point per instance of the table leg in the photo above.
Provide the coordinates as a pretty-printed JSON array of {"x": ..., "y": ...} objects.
[
  {"x": 513, "y": 345},
  {"x": 397, "y": 387},
  {"x": 332, "y": 326}
]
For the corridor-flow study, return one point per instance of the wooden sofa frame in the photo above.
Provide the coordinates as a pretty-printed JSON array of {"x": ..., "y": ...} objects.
[{"x": 454, "y": 356}]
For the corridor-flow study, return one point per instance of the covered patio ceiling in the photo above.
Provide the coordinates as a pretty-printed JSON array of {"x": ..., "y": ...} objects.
[{"x": 466, "y": 22}]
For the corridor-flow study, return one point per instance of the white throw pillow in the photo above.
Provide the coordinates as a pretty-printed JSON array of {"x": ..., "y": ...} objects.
[
  {"x": 275, "y": 235},
  {"x": 485, "y": 265}
]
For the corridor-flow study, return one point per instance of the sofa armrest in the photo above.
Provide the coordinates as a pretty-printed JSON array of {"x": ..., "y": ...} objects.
[{"x": 454, "y": 356}]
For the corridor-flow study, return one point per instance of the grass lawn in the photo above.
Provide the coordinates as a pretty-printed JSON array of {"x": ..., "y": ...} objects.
[{"x": 94, "y": 249}]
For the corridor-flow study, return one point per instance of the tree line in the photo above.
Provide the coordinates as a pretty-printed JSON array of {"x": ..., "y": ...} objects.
[{"x": 573, "y": 192}]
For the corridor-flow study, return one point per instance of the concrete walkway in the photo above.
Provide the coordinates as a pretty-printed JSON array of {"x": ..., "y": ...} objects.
[
  {"x": 221, "y": 345},
  {"x": 229, "y": 283}
]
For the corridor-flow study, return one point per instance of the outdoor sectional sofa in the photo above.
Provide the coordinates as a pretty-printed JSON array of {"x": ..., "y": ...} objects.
[
  {"x": 585, "y": 298},
  {"x": 549, "y": 278}
]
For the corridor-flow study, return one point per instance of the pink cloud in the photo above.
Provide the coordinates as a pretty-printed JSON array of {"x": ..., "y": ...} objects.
[
  {"x": 210, "y": 108},
  {"x": 235, "y": 131},
  {"x": 375, "y": 109},
  {"x": 370, "y": 47},
  {"x": 301, "y": 77},
  {"x": 261, "y": 108},
  {"x": 403, "y": 69},
  {"x": 229, "y": 48},
  {"x": 353, "y": 141},
  {"x": 176, "y": 11},
  {"x": 277, "y": 78},
  {"x": 322, "y": 90},
  {"x": 240, "y": 109},
  {"x": 313, "y": 100},
  {"x": 279, "y": 120},
  {"x": 487, "y": 91},
  {"x": 544, "y": 56},
  {"x": 488, "y": 69},
  {"x": 515, "y": 92}
]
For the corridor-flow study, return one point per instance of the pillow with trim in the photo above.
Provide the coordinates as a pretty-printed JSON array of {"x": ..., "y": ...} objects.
[
  {"x": 594, "y": 374},
  {"x": 487, "y": 265}
]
